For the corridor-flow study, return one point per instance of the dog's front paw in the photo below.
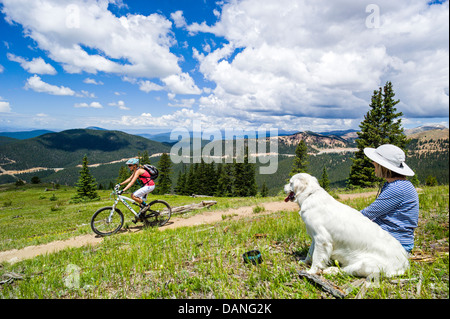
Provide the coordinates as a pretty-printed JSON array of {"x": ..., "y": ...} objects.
[
  {"x": 331, "y": 271},
  {"x": 313, "y": 271},
  {"x": 306, "y": 261}
]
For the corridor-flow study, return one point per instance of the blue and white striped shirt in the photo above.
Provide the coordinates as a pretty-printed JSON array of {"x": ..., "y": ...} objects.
[{"x": 396, "y": 210}]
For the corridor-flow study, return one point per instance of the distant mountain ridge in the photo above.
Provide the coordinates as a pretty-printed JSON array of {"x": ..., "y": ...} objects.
[
  {"x": 55, "y": 156},
  {"x": 22, "y": 135},
  {"x": 66, "y": 148}
]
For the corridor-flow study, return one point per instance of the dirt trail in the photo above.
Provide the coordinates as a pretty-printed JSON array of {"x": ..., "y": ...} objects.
[{"x": 205, "y": 217}]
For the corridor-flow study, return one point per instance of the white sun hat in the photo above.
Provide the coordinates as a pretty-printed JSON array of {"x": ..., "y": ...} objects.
[{"x": 391, "y": 157}]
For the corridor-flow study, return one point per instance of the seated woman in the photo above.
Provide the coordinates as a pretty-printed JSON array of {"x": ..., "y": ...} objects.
[{"x": 396, "y": 209}]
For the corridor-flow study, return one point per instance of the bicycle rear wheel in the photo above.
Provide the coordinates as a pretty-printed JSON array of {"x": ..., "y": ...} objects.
[
  {"x": 157, "y": 213},
  {"x": 107, "y": 221}
]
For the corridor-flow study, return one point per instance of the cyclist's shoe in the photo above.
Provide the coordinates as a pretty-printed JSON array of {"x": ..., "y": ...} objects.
[{"x": 143, "y": 205}]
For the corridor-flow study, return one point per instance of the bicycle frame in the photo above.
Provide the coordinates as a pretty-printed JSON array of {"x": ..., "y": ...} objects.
[{"x": 124, "y": 200}]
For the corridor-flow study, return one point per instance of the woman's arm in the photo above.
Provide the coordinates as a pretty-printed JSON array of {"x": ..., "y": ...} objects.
[
  {"x": 133, "y": 178},
  {"x": 388, "y": 201}
]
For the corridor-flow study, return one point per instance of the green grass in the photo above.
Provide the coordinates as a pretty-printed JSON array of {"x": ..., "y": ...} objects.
[
  {"x": 30, "y": 215},
  {"x": 206, "y": 261}
]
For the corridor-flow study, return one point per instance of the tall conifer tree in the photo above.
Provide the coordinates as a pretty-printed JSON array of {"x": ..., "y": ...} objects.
[
  {"x": 86, "y": 185},
  {"x": 300, "y": 164},
  {"x": 164, "y": 182},
  {"x": 380, "y": 126}
]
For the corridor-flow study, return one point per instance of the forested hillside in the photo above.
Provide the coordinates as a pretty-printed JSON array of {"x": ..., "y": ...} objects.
[{"x": 55, "y": 157}]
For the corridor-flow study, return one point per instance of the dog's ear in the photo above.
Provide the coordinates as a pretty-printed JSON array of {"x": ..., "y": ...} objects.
[
  {"x": 298, "y": 183},
  {"x": 302, "y": 181}
]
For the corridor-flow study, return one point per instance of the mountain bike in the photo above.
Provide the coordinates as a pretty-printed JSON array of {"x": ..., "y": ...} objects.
[{"x": 109, "y": 220}]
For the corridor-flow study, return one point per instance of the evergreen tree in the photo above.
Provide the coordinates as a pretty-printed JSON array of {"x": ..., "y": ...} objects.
[
  {"x": 225, "y": 181},
  {"x": 324, "y": 181},
  {"x": 264, "y": 190},
  {"x": 164, "y": 185},
  {"x": 239, "y": 179},
  {"x": 190, "y": 181},
  {"x": 250, "y": 180},
  {"x": 244, "y": 178},
  {"x": 181, "y": 182},
  {"x": 414, "y": 180},
  {"x": 300, "y": 164},
  {"x": 202, "y": 178},
  {"x": 380, "y": 126},
  {"x": 123, "y": 174},
  {"x": 212, "y": 179},
  {"x": 86, "y": 185},
  {"x": 144, "y": 158}
]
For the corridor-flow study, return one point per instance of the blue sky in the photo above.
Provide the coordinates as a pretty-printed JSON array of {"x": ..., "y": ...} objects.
[{"x": 160, "y": 64}]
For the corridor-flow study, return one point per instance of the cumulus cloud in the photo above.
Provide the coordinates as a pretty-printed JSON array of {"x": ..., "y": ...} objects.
[
  {"x": 84, "y": 36},
  {"x": 36, "y": 65},
  {"x": 36, "y": 84},
  {"x": 5, "y": 107},
  {"x": 148, "y": 86},
  {"x": 178, "y": 18},
  {"x": 120, "y": 104},
  {"x": 92, "y": 81},
  {"x": 181, "y": 84},
  {"x": 323, "y": 60},
  {"x": 95, "y": 105}
]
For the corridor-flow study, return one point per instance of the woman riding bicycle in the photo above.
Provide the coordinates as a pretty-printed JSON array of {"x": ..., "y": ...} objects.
[{"x": 138, "y": 172}]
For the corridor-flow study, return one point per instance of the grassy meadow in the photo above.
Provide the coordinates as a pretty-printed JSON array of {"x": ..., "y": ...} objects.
[{"x": 202, "y": 261}]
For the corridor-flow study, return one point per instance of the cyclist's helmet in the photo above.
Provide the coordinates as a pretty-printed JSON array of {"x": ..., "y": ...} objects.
[{"x": 132, "y": 161}]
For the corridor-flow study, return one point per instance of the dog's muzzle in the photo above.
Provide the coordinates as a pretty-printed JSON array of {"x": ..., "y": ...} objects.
[{"x": 290, "y": 197}]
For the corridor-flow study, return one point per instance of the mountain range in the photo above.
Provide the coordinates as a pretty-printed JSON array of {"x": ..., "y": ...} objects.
[{"x": 55, "y": 156}]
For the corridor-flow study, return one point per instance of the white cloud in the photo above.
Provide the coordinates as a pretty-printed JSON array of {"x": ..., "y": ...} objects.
[
  {"x": 36, "y": 65},
  {"x": 181, "y": 84},
  {"x": 148, "y": 86},
  {"x": 5, "y": 107},
  {"x": 67, "y": 29},
  {"x": 301, "y": 59},
  {"x": 86, "y": 94},
  {"x": 95, "y": 105},
  {"x": 178, "y": 18},
  {"x": 36, "y": 84},
  {"x": 183, "y": 103},
  {"x": 92, "y": 81},
  {"x": 1, "y": 68},
  {"x": 120, "y": 104}
]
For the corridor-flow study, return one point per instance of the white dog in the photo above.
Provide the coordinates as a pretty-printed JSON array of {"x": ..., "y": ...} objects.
[{"x": 341, "y": 233}]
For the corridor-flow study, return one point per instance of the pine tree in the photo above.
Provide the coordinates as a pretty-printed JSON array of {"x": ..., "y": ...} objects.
[
  {"x": 324, "y": 181},
  {"x": 144, "y": 158},
  {"x": 86, "y": 185},
  {"x": 300, "y": 164},
  {"x": 190, "y": 181},
  {"x": 123, "y": 174},
  {"x": 212, "y": 179},
  {"x": 244, "y": 182},
  {"x": 264, "y": 190},
  {"x": 164, "y": 185},
  {"x": 180, "y": 189},
  {"x": 202, "y": 178},
  {"x": 250, "y": 181},
  {"x": 239, "y": 179},
  {"x": 392, "y": 124},
  {"x": 225, "y": 181},
  {"x": 378, "y": 127}
]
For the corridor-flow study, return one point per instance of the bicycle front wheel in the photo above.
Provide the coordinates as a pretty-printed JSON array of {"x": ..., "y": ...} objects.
[
  {"x": 157, "y": 213},
  {"x": 107, "y": 221}
]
